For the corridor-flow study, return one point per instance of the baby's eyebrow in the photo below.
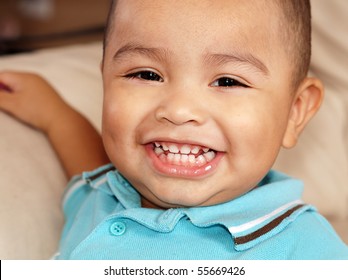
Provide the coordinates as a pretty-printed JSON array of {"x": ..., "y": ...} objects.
[
  {"x": 248, "y": 58},
  {"x": 162, "y": 54},
  {"x": 133, "y": 48}
]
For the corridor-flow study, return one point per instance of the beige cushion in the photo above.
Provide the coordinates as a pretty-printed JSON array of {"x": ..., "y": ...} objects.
[{"x": 32, "y": 180}]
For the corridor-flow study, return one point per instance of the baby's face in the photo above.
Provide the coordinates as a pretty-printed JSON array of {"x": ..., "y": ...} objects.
[{"x": 197, "y": 98}]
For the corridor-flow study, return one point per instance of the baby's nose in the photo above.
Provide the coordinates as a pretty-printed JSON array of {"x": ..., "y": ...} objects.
[{"x": 181, "y": 107}]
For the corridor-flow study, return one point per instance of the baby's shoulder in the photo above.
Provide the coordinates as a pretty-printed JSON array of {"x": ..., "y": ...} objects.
[{"x": 316, "y": 238}]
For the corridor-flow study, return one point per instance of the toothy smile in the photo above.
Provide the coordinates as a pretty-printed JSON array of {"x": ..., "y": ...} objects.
[{"x": 183, "y": 154}]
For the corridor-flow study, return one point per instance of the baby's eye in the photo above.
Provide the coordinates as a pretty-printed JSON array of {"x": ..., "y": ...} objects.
[
  {"x": 145, "y": 75},
  {"x": 227, "y": 82}
]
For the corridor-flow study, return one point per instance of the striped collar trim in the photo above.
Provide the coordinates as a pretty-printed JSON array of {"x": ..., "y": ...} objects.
[
  {"x": 249, "y": 234},
  {"x": 94, "y": 179}
]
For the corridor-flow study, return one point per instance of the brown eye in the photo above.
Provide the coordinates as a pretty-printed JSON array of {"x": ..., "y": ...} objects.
[
  {"x": 227, "y": 82},
  {"x": 145, "y": 75}
]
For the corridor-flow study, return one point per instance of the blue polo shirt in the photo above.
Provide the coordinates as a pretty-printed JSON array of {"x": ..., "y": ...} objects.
[{"x": 105, "y": 220}]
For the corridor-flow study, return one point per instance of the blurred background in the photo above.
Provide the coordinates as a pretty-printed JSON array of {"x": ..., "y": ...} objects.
[{"x": 27, "y": 25}]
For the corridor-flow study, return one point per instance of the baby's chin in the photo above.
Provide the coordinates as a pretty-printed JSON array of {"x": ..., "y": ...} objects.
[
  {"x": 168, "y": 203},
  {"x": 194, "y": 200}
]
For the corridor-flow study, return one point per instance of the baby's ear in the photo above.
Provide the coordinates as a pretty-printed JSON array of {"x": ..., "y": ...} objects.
[{"x": 306, "y": 103}]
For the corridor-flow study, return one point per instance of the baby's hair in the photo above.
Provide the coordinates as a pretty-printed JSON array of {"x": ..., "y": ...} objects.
[
  {"x": 294, "y": 30},
  {"x": 109, "y": 24}
]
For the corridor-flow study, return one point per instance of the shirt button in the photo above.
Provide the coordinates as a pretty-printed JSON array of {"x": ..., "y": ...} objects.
[{"x": 118, "y": 228}]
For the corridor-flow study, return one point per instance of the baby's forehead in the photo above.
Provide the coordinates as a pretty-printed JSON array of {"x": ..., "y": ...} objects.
[
  {"x": 201, "y": 14},
  {"x": 134, "y": 19},
  {"x": 189, "y": 7}
]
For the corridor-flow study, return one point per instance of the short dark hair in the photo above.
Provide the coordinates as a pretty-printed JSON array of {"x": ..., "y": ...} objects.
[
  {"x": 296, "y": 35},
  {"x": 109, "y": 24},
  {"x": 295, "y": 32}
]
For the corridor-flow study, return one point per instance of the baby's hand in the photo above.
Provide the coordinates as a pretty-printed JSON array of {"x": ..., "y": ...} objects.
[{"x": 31, "y": 99}]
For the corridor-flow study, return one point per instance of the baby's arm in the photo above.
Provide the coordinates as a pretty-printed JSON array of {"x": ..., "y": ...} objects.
[{"x": 30, "y": 99}]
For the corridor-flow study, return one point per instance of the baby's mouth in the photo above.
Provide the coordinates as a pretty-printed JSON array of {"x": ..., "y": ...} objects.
[{"x": 186, "y": 155}]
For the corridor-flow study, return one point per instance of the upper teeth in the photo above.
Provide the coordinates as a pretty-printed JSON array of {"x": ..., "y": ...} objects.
[
  {"x": 173, "y": 149},
  {"x": 184, "y": 149},
  {"x": 186, "y": 155}
]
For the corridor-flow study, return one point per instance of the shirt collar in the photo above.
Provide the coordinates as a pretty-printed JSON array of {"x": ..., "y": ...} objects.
[{"x": 250, "y": 218}]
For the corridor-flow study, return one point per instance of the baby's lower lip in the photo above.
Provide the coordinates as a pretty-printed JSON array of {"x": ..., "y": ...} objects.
[{"x": 179, "y": 165}]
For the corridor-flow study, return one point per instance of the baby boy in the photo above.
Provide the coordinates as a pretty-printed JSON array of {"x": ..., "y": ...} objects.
[{"x": 199, "y": 97}]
